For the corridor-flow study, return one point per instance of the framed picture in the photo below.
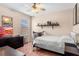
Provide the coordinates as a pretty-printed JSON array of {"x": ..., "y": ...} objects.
[
  {"x": 7, "y": 24},
  {"x": 75, "y": 15},
  {"x": 7, "y": 21}
]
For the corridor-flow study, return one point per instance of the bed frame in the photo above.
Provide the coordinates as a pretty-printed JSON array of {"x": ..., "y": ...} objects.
[{"x": 70, "y": 50}]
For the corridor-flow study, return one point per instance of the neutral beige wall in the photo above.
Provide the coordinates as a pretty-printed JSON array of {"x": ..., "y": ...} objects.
[
  {"x": 64, "y": 18},
  {"x": 17, "y": 16}
]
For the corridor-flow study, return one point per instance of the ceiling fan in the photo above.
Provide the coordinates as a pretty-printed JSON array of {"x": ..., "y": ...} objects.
[{"x": 36, "y": 7}]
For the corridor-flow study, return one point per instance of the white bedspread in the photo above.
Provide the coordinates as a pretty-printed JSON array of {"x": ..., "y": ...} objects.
[
  {"x": 49, "y": 40},
  {"x": 53, "y": 43}
]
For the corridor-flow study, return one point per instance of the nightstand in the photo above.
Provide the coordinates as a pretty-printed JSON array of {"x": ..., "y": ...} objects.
[{"x": 71, "y": 50}]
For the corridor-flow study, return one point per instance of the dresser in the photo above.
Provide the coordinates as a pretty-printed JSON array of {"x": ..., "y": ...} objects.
[{"x": 14, "y": 42}]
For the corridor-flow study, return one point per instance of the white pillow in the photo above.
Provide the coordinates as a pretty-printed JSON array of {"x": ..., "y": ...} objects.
[
  {"x": 73, "y": 36},
  {"x": 77, "y": 37}
]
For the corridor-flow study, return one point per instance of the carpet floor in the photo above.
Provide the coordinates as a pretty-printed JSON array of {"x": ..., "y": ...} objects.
[{"x": 28, "y": 50}]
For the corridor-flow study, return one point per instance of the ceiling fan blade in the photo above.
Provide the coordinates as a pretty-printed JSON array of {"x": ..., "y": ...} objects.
[
  {"x": 34, "y": 5},
  {"x": 43, "y": 9}
]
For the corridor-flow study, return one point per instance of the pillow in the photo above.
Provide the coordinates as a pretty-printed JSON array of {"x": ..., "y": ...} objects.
[
  {"x": 77, "y": 38},
  {"x": 73, "y": 36},
  {"x": 67, "y": 39},
  {"x": 37, "y": 34}
]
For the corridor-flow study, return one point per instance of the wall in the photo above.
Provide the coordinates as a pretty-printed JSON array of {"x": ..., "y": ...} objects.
[
  {"x": 17, "y": 16},
  {"x": 64, "y": 18}
]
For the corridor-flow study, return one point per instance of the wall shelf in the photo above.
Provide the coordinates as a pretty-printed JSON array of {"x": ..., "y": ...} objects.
[{"x": 48, "y": 24}]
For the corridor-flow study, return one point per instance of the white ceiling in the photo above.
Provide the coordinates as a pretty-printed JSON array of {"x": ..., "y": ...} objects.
[{"x": 26, "y": 7}]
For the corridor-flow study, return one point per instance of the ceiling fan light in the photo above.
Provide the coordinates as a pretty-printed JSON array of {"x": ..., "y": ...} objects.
[{"x": 36, "y": 8}]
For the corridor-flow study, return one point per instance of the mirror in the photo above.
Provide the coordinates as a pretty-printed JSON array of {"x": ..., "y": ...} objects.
[
  {"x": 76, "y": 23},
  {"x": 77, "y": 13},
  {"x": 77, "y": 20}
]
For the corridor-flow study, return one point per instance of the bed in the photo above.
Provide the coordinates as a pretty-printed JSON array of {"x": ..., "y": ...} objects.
[{"x": 53, "y": 43}]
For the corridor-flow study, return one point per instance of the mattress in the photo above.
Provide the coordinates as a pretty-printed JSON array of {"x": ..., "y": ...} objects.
[
  {"x": 49, "y": 40},
  {"x": 53, "y": 43}
]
